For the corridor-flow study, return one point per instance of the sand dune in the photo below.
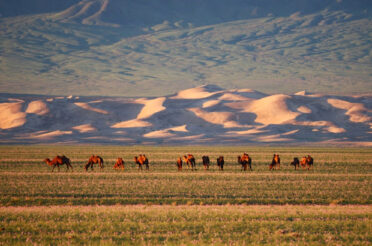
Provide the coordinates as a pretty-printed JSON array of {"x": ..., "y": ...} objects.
[
  {"x": 198, "y": 92},
  {"x": 269, "y": 110},
  {"x": 84, "y": 128},
  {"x": 201, "y": 115},
  {"x": 49, "y": 135},
  {"x": 88, "y": 107},
  {"x": 354, "y": 110},
  {"x": 165, "y": 133},
  {"x": 37, "y": 107},
  {"x": 304, "y": 110},
  {"x": 232, "y": 97},
  {"x": 220, "y": 118},
  {"x": 11, "y": 115},
  {"x": 150, "y": 107},
  {"x": 131, "y": 124},
  {"x": 210, "y": 103}
]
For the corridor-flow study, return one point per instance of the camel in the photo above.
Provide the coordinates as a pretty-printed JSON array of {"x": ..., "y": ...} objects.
[
  {"x": 245, "y": 161},
  {"x": 295, "y": 163},
  {"x": 142, "y": 160},
  {"x": 220, "y": 162},
  {"x": 205, "y": 162},
  {"x": 275, "y": 164},
  {"x": 57, "y": 161},
  {"x": 307, "y": 161},
  {"x": 179, "y": 164},
  {"x": 119, "y": 163},
  {"x": 190, "y": 161},
  {"x": 94, "y": 159},
  {"x": 310, "y": 162}
]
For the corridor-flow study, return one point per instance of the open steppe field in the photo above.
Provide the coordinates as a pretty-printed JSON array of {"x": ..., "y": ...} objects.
[{"x": 330, "y": 204}]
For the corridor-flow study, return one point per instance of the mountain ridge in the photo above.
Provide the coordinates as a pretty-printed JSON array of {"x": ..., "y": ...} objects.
[{"x": 126, "y": 48}]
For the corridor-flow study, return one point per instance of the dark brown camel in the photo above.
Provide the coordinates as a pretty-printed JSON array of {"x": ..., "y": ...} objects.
[
  {"x": 295, "y": 163},
  {"x": 94, "y": 159},
  {"x": 205, "y": 162},
  {"x": 220, "y": 162},
  {"x": 119, "y": 164},
  {"x": 57, "y": 161}
]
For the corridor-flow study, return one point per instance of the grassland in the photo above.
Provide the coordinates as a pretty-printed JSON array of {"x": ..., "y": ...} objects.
[
  {"x": 330, "y": 204},
  {"x": 217, "y": 225}
]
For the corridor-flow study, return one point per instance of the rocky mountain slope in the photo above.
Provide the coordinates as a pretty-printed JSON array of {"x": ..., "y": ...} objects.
[{"x": 155, "y": 48}]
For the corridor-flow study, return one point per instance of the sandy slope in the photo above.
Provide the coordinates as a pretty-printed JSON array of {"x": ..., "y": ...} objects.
[
  {"x": 11, "y": 115},
  {"x": 201, "y": 115}
]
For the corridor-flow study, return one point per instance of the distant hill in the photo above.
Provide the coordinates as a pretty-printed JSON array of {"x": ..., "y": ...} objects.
[
  {"x": 154, "y": 48},
  {"x": 202, "y": 115}
]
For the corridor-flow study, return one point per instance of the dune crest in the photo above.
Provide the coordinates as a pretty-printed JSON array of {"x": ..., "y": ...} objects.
[
  {"x": 11, "y": 115},
  {"x": 198, "y": 92},
  {"x": 88, "y": 107},
  {"x": 37, "y": 107}
]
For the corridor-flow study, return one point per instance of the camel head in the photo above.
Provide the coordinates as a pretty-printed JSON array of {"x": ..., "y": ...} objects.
[{"x": 47, "y": 161}]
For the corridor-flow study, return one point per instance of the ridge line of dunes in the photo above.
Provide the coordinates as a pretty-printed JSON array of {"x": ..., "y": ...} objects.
[{"x": 200, "y": 115}]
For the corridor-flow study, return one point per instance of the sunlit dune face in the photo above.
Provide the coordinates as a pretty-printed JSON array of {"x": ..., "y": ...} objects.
[
  {"x": 11, "y": 115},
  {"x": 88, "y": 107},
  {"x": 37, "y": 107}
]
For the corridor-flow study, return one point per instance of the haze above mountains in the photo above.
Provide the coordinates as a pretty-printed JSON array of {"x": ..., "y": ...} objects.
[{"x": 159, "y": 47}]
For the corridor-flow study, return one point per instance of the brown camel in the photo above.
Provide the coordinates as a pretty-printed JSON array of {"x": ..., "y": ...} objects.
[
  {"x": 275, "y": 164},
  {"x": 142, "y": 160},
  {"x": 245, "y": 161},
  {"x": 119, "y": 164},
  {"x": 220, "y": 162},
  {"x": 94, "y": 159},
  {"x": 190, "y": 161},
  {"x": 179, "y": 164},
  {"x": 307, "y": 161},
  {"x": 205, "y": 162},
  {"x": 295, "y": 163},
  {"x": 57, "y": 161}
]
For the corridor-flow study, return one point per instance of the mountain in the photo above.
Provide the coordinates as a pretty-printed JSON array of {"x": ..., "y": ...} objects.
[
  {"x": 155, "y": 48},
  {"x": 201, "y": 115}
]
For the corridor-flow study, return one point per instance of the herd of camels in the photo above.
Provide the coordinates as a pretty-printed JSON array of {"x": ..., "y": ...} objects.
[{"x": 244, "y": 160}]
